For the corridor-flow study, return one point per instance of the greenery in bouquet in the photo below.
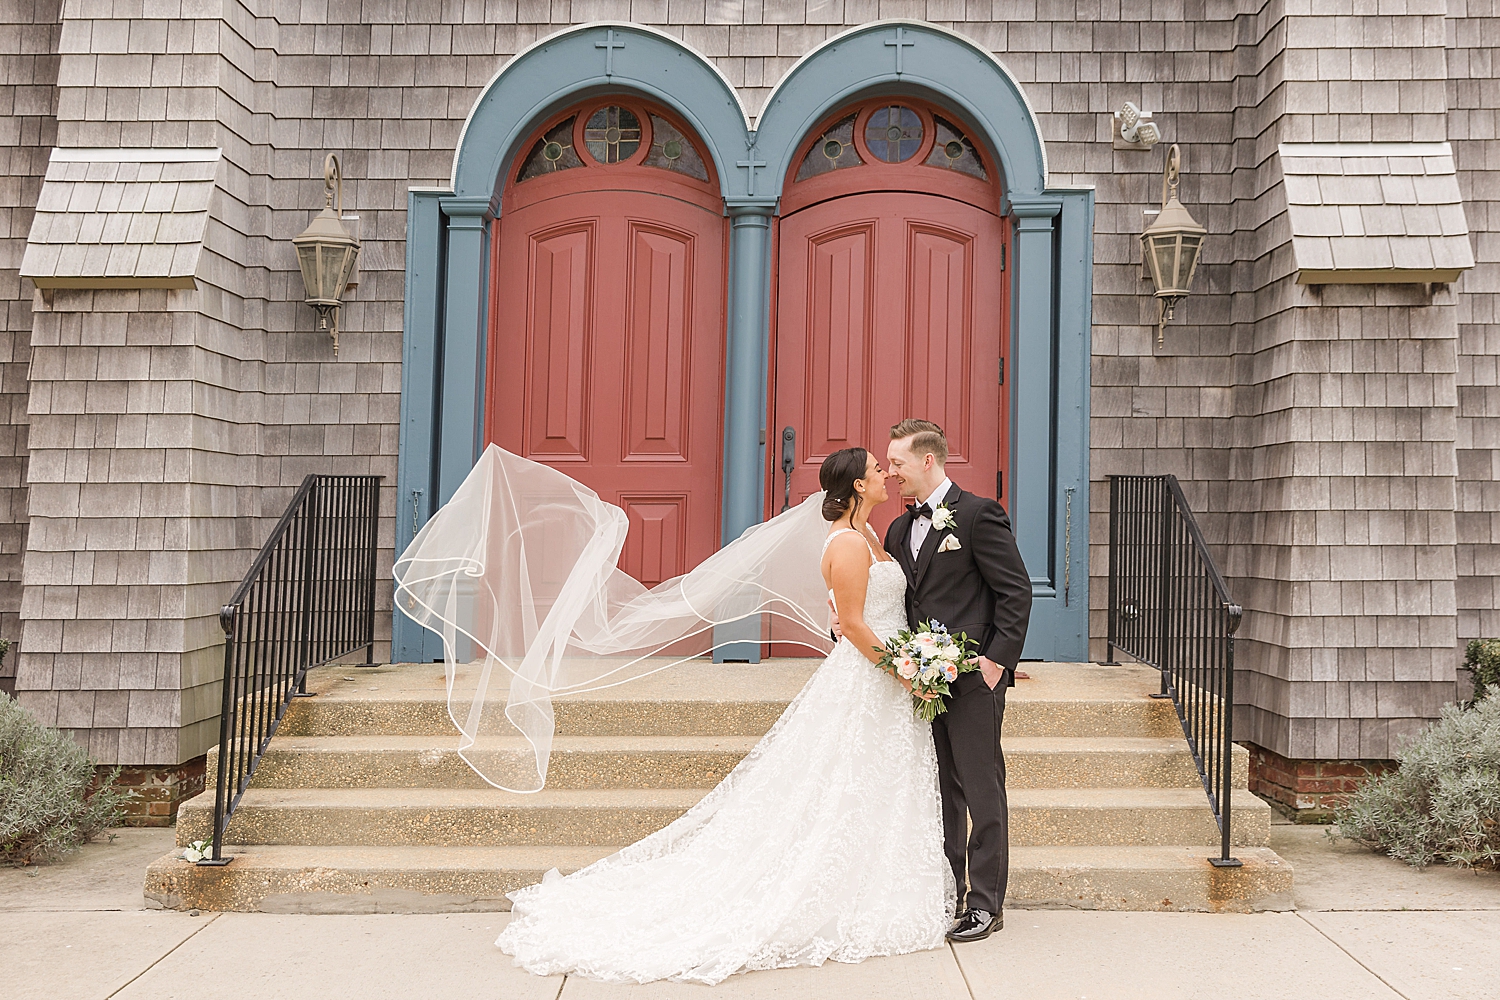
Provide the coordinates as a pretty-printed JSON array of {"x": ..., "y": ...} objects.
[{"x": 930, "y": 658}]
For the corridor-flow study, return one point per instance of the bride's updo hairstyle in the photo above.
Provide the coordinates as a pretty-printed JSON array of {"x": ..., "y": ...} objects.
[{"x": 838, "y": 474}]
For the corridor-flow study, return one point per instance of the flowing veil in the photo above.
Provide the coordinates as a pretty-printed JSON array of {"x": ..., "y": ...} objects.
[{"x": 518, "y": 575}]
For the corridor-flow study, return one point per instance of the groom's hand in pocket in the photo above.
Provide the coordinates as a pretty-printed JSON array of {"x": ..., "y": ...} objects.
[{"x": 990, "y": 671}]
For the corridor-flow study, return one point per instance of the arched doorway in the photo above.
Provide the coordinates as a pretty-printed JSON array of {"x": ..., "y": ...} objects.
[
  {"x": 607, "y": 320},
  {"x": 890, "y": 301}
]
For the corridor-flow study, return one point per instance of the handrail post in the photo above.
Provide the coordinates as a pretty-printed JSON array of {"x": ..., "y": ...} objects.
[
  {"x": 309, "y": 562},
  {"x": 221, "y": 820},
  {"x": 1164, "y": 594},
  {"x": 1224, "y": 860},
  {"x": 1114, "y": 570},
  {"x": 370, "y": 569}
]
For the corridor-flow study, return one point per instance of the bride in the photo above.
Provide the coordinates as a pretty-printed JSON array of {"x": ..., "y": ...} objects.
[{"x": 825, "y": 842}]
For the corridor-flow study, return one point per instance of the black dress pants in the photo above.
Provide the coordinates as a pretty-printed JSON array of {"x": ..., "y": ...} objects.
[{"x": 971, "y": 777}]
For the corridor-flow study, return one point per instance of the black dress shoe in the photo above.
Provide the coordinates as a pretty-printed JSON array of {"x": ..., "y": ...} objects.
[{"x": 975, "y": 925}]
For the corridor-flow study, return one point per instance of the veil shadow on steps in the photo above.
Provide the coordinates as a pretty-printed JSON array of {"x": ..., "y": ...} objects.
[{"x": 518, "y": 574}]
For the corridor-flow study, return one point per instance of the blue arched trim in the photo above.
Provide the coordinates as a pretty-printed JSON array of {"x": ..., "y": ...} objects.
[
  {"x": 903, "y": 57},
  {"x": 578, "y": 62}
]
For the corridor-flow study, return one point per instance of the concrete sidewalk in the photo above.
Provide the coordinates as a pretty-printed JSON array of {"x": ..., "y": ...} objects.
[{"x": 1366, "y": 927}]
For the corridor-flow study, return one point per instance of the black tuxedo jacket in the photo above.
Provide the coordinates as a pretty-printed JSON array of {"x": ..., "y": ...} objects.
[{"x": 981, "y": 589}]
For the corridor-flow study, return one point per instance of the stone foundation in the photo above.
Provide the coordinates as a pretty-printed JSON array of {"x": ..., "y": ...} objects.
[
  {"x": 1307, "y": 791},
  {"x": 158, "y": 790}
]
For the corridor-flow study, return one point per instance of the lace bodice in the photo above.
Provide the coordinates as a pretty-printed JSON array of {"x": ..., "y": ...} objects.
[
  {"x": 885, "y": 596},
  {"x": 885, "y": 599}
]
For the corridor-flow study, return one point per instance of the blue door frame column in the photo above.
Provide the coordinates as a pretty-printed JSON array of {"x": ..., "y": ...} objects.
[
  {"x": 748, "y": 347},
  {"x": 442, "y": 399}
]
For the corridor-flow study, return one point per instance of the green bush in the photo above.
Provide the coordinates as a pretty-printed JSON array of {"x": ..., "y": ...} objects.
[
  {"x": 1443, "y": 802},
  {"x": 1482, "y": 657},
  {"x": 49, "y": 801}
]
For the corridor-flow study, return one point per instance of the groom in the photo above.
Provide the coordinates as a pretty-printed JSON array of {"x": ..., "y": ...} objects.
[{"x": 963, "y": 569}]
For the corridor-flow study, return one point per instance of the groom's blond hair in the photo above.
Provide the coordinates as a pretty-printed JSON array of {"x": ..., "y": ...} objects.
[{"x": 927, "y": 438}]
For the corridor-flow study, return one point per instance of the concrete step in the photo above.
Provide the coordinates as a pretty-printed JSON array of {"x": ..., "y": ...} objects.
[
  {"x": 703, "y": 699},
  {"x": 299, "y": 879},
  {"x": 434, "y": 762},
  {"x": 391, "y": 817},
  {"x": 691, "y": 762}
]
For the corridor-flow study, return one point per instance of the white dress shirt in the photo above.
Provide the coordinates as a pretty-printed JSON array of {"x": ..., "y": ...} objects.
[{"x": 921, "y": 525}]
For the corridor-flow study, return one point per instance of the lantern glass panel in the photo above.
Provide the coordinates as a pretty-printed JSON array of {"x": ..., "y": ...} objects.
[
  {"x": 1188, "y": 262},
  {"x": 1166, "y": 261},
  {"x": 307, "y": 260},
  {"x": 331, "y": 272}
]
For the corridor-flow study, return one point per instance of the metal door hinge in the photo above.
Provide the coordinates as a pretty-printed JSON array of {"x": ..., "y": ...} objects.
[
  {"x": 1002, "y": 371},
  {"x": 1000, "y": 485},
  {"x": 1002, "y": 257}
]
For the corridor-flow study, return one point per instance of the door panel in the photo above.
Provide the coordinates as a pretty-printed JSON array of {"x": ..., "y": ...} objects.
[
  {"x": 939, "y": 348},
  {"x": 890, "y": 305},
  {"x": 658, "y": 380},
  {"x": 653, "y": 548},
  {"x": 840, "y": 280},
  {"x": 559, "y": 380},
  {"x": 612, "y": 331}
]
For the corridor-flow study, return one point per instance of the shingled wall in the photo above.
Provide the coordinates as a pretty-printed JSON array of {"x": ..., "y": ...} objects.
[
  {"x": 29, "y": 32},
  {"x": 1277, "y": 404}
]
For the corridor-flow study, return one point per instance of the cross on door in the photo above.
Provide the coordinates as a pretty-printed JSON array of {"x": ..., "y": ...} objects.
[
  {"x": 899, "y": 43},
  {"x": 609, "y": 45}
]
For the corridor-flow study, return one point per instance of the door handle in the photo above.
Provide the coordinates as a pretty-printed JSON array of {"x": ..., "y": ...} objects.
[{"x": 788, "y": 463}]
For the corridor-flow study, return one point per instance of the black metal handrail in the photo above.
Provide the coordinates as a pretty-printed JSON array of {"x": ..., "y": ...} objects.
[
  {"x": 1169, "y": 608},
  {"x": 308, "y": 598}
]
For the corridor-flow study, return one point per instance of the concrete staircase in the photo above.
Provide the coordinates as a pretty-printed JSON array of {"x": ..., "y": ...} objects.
[{"x": 363, "y": 805}]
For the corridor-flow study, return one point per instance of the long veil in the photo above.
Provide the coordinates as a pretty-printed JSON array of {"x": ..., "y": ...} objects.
[{"x": 518, "y": 575}]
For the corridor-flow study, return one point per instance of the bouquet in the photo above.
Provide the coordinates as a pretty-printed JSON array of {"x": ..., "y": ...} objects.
[{"x": 931, "y": 659}]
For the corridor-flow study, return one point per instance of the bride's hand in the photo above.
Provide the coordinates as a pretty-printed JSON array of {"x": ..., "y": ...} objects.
[{"x": 925, "y": 695}]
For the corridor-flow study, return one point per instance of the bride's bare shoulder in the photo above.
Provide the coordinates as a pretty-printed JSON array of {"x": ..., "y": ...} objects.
[{"x": 845, "y": 546}]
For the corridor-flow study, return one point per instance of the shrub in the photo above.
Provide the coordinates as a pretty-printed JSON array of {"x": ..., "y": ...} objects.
[
  {"x": 49, "y": 800},
  {"x": 1443, "y": 802},
  {"x": 1482, "y": 657}
]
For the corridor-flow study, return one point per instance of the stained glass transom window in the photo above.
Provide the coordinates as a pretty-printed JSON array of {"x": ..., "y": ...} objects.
[
  {"x": 833, "y": 149},
  {"x": 894, "y": 134},
  {"x": 952, "y": 149},
  {"x": 671, "y": 150},
  {"x": 552, "y": 152},
  {"x": 612, "y": 134}
]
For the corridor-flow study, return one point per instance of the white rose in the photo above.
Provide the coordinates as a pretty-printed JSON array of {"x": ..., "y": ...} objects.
[
  {"x": 951, "y": 653},
  {"x": 942, "y": 519},
  {"x": 929, "y": 673}
]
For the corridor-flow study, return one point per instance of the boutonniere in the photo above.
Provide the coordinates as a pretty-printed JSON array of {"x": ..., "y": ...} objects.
[
  {"x": 943, "y": 519},
  {"x": 950, "y": 544}
]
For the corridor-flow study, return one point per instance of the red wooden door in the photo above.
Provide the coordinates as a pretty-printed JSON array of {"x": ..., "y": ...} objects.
[
  {"x": 606, "y": 349},
  {"x": 891, "y": 304}
]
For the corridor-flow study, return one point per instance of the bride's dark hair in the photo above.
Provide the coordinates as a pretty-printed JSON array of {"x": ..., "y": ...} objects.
[{"x": 837, "y": 476}]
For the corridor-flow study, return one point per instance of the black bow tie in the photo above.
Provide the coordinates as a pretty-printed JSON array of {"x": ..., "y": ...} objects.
[{"x": 922, "y": 510}]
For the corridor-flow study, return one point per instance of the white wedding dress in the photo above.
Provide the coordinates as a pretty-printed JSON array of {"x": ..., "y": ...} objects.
[{"x": 826, "y": 842}]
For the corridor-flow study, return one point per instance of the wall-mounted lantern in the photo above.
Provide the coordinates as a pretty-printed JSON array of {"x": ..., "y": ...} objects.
[
  {"x": 1171, "y": 245},
  {"x": 326, "y": 253}
]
